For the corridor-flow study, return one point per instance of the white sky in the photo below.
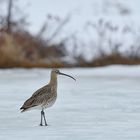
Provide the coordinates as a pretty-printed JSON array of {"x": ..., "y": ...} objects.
[{"x": 81, "y": 10}]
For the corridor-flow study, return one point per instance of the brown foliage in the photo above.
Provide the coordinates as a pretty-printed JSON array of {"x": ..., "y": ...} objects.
[
  {"x": 114, "y": 58},
  {"x": 23, "y": 50}
]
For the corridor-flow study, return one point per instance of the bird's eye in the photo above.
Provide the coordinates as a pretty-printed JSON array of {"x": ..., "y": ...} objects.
[{"x": 57, "y": 71}]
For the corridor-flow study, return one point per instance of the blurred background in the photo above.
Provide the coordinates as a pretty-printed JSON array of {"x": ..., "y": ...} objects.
[
  {"x": 104, "y": 102},
  {"x": 79, "y": 33}
]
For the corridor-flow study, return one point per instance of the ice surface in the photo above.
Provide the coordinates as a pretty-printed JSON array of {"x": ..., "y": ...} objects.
[{"x": 103, "y": 104}]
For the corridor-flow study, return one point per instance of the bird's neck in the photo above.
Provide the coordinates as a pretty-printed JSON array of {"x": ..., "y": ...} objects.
[{"x": 53, "y": 80}]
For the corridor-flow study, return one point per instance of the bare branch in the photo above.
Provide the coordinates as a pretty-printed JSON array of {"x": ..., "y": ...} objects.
[
  {"x": 59, "y": 29},
  {"x": 42, "y": 30},
  {"x": 9, "y": 15}
]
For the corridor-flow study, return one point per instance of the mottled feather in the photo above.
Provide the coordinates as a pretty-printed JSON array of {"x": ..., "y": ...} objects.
[{"x": 38, "y": 98}]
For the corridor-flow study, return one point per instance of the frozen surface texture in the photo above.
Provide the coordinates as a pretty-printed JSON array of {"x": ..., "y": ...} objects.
[{"x": 104, "y": 104}]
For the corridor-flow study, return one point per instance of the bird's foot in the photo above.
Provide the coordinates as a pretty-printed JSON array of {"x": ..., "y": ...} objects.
[
  {"x": 41, "y": 124},
  {"x": 46, "y": 124}
]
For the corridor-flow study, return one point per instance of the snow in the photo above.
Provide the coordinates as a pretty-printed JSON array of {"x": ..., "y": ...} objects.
[{"x": 103, "y": 104}]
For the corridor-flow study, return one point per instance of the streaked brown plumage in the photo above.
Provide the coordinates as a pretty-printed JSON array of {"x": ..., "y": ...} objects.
[{"x": 44, "y": 97}]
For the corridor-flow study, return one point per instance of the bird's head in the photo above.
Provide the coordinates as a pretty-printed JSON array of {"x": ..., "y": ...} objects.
[{"x": 57, "y": 72}]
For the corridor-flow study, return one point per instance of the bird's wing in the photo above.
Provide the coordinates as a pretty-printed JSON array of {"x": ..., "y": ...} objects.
[
  {"x": 37, "y": 98},
  {"x": 46, "y": 89}
]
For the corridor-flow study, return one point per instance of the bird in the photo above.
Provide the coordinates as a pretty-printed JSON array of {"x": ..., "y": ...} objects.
[{"x": 44, "y": 97}]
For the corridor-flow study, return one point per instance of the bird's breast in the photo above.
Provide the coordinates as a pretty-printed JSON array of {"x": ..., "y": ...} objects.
[
  {"x": 50, "y": 101},
  {"x": 54, "y": 89},
  {"x": 50, "y": 98}
]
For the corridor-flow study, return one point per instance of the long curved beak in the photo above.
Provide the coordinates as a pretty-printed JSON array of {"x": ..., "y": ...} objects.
[{"x": 67, "y": 75}]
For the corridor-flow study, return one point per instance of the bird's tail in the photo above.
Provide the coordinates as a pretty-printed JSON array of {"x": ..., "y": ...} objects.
[{"x": 23, "y": 109}]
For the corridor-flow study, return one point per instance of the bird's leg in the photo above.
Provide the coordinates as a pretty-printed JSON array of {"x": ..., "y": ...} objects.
[
  {"x": 41, "y": 118},
  {"x": 43, "y": 114}
]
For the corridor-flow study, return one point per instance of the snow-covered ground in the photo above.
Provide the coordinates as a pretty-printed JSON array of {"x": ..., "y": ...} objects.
[{"x": 104, "y": 104}]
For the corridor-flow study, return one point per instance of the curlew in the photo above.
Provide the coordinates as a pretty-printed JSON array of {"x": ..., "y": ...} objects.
[{"x": 44, "y": 97}]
